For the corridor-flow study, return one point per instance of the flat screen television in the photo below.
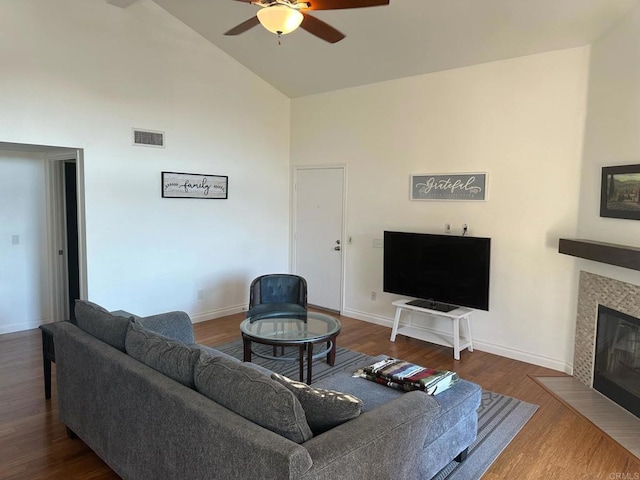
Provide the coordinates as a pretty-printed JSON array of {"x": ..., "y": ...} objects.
[{"x": 442, "y": 271}]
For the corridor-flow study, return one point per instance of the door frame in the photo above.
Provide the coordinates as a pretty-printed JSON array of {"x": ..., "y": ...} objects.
[
  {"x": 294, "y": 215},
  {"x": 56, "y": 231}
]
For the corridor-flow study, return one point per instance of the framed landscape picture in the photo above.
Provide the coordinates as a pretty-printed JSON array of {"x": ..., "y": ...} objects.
[{"x": 620, "y": 192}]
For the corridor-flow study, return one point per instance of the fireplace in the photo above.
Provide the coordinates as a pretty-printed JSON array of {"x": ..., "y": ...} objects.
[
  {"x": 620, "y": 299},
  {"x": 617, "y": 358}
]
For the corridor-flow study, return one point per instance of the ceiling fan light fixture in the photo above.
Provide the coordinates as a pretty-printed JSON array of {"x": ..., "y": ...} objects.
[{"x": 280, "y": 19}]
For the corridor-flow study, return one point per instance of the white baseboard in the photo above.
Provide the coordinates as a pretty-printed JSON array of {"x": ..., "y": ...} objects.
[
  {"x": 220, "y": 312},
  {"x": 19, "y": 327},
  {"x": 523, "y": 356},
  {"x": 367, "y": 317},
  {"x": 478, "y": 344}
]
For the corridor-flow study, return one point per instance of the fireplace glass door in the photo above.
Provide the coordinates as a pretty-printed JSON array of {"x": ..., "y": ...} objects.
[{"x": 617, "y": 362}]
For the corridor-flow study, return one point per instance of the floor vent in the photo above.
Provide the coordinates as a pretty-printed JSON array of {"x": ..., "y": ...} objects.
[{"x": 148, "y": 138}]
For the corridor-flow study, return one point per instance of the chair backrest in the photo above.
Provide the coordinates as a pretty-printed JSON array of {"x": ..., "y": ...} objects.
[{"x": 278, "y": 288}]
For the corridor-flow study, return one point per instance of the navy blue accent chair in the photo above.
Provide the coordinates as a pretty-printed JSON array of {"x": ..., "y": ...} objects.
[{"x": 278, "y": 292}]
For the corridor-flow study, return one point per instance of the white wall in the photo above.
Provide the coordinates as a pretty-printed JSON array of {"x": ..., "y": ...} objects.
[
  {"x": 520, "y": 120},
  {"x": 611, "y": 137},
  {"x": 82, "y": 73},
  {"x": 24, "y": 298}
]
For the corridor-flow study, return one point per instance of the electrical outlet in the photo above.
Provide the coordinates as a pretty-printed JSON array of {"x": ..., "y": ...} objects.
[
  {"x": 201, "y": 294},
  {"x": 350, "y": 240},
  {"x": 15, "y": 239},
  {"x": 374, "y": 295},
  {"x": 378, "y": 243},
  {"x": 447, "y": 228}
]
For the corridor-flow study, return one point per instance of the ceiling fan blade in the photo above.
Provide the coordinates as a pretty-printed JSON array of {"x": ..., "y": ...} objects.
[
  {"x": 244, "y": 26},
  {"x": 320, "y": 29},
  {"x": 339, "y": 4}
]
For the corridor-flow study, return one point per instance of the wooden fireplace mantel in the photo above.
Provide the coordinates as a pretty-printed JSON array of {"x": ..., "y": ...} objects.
[{"x": 609, "y": 253}]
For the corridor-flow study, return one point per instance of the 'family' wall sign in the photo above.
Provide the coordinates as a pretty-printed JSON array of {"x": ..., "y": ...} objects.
[{"x": 194, "y": 185}]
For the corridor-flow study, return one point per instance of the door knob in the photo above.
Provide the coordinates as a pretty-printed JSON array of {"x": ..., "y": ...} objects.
[{"x": 337, "y": 249}]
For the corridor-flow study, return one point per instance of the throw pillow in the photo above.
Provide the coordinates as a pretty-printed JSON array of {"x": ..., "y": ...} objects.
[
  {"x": 170, "y": 357},
  {"x": 252, "y": 395},
  {"x": 98, "y": 322},
  {"x": 324, "y": 409}
]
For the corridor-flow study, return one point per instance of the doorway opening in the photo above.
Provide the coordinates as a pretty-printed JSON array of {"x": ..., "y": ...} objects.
[
  {"x": 35, "y": 219},
  {"x": 66, "y": 232}
]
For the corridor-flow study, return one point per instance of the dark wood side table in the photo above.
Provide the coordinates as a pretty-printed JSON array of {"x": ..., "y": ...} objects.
[{"x": 48, "y": 355}]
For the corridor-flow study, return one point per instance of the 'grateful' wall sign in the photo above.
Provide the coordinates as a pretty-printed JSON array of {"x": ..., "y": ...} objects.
[
  {"x": 449, "y": 186},
  {"x": 194, "y": 185}
]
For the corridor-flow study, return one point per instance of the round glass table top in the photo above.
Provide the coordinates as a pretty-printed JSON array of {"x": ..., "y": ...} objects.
[{"x": 290, "y": 327}]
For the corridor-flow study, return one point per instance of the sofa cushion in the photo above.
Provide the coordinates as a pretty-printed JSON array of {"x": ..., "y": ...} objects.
[
  {"x": 175, "y": 325},
  {"x": 170, "y": 357},
  {"x": 98, "y": 322},
  {"x": 324, "y": 409},
  {"x": 214, "y": 352},
  {"x": 252, "y": 395}
]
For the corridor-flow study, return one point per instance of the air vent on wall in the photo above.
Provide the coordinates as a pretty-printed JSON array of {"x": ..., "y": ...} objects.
[{"x": 148, "y": 138}]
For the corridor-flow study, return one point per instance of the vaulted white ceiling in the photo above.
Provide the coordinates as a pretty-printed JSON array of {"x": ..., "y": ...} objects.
[{"x": 405, "y": 38}]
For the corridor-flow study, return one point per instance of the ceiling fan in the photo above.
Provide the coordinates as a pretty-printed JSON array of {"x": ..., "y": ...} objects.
[{"x": 284, "y": 16}]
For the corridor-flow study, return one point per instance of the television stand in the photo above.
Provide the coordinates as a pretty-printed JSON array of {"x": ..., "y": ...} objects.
[{"x": 454, "y": 340}]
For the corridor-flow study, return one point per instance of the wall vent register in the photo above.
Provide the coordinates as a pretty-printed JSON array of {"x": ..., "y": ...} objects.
[{"x": 148, "y": 138}]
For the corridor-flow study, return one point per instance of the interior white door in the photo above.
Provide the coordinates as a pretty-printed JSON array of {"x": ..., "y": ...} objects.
[{"x": 319, "y": 210}]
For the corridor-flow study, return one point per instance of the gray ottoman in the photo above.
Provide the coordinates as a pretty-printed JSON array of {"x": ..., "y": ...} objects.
[{"x": 453, "y": 429}]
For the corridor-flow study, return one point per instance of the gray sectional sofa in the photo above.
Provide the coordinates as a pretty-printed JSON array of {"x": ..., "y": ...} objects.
[{"x": 154, "y": 405}]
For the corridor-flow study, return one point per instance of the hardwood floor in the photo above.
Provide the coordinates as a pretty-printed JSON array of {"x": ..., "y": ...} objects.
[{"x": 556, "y": 443}]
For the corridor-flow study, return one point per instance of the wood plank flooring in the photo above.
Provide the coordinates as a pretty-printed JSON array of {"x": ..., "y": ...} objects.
[
  {"x": 621, "y": 425},
  {"x": 556, "y": 443}
]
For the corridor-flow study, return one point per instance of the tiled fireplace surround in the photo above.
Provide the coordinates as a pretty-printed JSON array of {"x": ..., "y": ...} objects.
[{"x": 596, "y": 290}]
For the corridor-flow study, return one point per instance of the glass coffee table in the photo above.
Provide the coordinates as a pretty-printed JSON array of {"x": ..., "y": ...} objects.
[{"x": 285, "y": 329}]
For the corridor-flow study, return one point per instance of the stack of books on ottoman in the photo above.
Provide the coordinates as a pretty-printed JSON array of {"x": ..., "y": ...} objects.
[{"x": 407, "y": 376}]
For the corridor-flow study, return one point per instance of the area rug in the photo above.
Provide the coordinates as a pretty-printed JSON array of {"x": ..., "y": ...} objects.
[{"x": 500, "y": 418}]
